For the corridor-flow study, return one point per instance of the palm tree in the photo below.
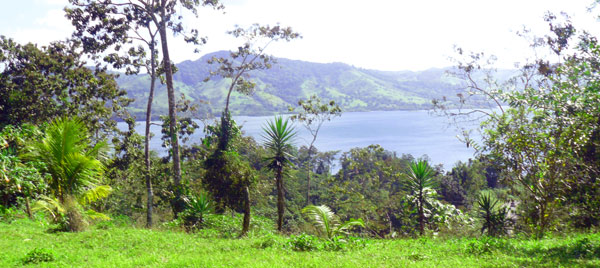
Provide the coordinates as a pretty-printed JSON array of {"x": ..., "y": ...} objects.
[
  {"x": 278, "y": 137},
  {"x": 75, "y": 167},
  {"x": 420, "y": 178},
  {"x": 327, "y": 223}
]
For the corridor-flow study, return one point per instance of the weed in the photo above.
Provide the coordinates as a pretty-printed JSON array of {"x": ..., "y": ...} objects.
[{"x": 38, "y": 255}]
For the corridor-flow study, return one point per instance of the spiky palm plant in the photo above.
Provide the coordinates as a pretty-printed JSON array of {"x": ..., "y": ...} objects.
[
  {"x": 75, "y": 168},
  {"x": 493, "y": 213},
  {"x": 278, "y": 136},
  {"x": 420, "y": 177},
  {"x": 327, "y": 223}
]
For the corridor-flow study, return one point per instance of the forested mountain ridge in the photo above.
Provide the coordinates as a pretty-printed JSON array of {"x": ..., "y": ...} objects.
[{"x": 288, "y": 81}]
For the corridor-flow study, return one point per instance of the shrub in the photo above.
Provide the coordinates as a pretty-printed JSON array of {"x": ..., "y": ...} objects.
[
  {"x": 38, "y": 255},
  {"x": 303, "y": 242}
]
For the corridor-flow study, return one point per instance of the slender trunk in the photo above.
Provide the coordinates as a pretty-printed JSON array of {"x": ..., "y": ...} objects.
[
  {"x": 246, "y": 222},
  {"x": 308, "y": 188},
  {"x": 178, "y": 202},
  {"x": 308, "y": 169},
  {"x": 28, "y": 207},
  {"x": 147, "y": 136},
  {"x": 280, "y": 200},
  {"x": 421, "y": 214}
]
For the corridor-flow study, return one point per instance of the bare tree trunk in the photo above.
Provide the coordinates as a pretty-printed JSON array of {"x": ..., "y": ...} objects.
[
  {"x": 421, "y": 214},
  {"x": 150, "y": 193},
  {"x": 246, "y": 222},
  {"x": 28, "y": 207},
  {"x": 178, "y": 202},
  {"x": 280, "y": 200},
  {"x": 308, "y": 170}
]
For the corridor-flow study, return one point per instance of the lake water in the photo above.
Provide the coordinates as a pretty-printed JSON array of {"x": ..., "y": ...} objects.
[{"x": 404, "y": 132}]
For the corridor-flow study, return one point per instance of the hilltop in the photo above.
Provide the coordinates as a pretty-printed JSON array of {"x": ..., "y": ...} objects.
[{"x": 355, "y": 89}]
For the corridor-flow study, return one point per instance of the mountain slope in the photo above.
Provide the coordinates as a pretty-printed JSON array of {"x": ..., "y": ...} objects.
[{"x": 355, "y": 89}]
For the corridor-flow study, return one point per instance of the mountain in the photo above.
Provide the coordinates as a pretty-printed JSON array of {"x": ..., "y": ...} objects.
[{"x": 354, "y": 89}]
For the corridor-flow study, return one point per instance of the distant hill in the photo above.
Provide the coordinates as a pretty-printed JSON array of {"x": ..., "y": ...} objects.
[{"x": 355, "y": 89}]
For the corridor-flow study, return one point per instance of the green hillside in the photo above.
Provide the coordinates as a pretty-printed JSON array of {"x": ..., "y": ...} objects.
[{"x": 355, "y": 89}]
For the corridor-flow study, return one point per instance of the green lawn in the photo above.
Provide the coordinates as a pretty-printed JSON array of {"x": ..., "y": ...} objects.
[{"x": 131, "y": 247}]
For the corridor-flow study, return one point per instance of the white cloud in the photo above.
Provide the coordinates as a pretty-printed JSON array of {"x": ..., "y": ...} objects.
[{"x": 377, "y": 34}]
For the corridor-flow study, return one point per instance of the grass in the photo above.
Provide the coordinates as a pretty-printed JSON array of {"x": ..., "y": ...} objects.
[{"x": 112, "y": 246}]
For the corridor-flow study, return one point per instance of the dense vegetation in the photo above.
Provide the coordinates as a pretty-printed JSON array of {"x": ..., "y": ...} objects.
[{"x": 530, "y": 196}]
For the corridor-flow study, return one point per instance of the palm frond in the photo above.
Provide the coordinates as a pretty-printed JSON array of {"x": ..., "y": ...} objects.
[
  {"x": 95, "y": 194},
  {"x": 322, "y": 218},
  {"x": 94, "y": 215}
]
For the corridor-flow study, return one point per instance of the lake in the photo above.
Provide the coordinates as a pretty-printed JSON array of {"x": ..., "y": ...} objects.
[{"x": 404, "y": 132}]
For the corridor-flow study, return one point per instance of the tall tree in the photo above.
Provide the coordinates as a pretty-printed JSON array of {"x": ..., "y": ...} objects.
[
  {"x": 248, "y": 57},
  {"x": 112, "y": 20},
  {"x": 40, "y": 84},
  {"x": 313, "y": 115},
  {"x": 278, "y": 137},
  {"x": 542, "y": 132}
]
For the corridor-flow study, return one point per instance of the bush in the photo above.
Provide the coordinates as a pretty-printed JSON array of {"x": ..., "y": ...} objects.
[
  {"x": 8, "y": 214},
  {"x": 38, "y": 255},
  {"x": 303, "y": 242}
]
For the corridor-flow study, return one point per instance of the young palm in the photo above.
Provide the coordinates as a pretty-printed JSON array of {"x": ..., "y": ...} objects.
[
  {"x": 74, "y": 167},
  {"x": 279, "y": 135},
  {"x": 327, "y": 223},
  {"x": 420, "y": 177}
]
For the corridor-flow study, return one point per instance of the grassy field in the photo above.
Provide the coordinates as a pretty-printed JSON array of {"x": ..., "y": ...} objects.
[{"x": 112, "y": 246}]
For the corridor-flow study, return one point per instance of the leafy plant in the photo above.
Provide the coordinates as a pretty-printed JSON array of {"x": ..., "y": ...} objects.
[
  {"x": 197, "y": 206},
  {"x": 74, "y": 169},
  {"x": 327, "y": 223},
  {"x": 494, "y": 215},
  {"x": 420, "y": 179},
  {"x": 38, "y": 255},
  {"x": 303, "y": 242}
]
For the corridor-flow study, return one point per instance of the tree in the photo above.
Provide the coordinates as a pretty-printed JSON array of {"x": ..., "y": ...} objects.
[
  {"x": 112, "y": 21},
  {"x": 313, "y": 115},
  {"x": 327, "y": 223},
  {"x": 369, "y": 186},
  {"x": 19, "y": 180},
  {"x": 541, "y": 138},
  {"x": 228, "y": 174},
  {"x": 420, "y": 180},
  {"x": 75, "y": 168},
  {"x": 41, "y": 84},
  {"x": 250, "y": 56},
  {"x": 278, "y": 136}
]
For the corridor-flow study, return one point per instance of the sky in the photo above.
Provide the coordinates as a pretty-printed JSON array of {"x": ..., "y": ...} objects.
[{"x": 392, "y": 35}]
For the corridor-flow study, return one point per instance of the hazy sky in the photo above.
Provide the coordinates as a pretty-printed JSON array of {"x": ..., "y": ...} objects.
[{"x": 376, "y": 34}]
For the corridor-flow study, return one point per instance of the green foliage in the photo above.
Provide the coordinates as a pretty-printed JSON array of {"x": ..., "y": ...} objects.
[
  {"x": 369, "y": 186},
  {"x": 420, "y": 180},
  {"x": 494, "y": 215},
  {"x": 327, "y": 223},
  {"x": 303, "y": 242},
  {"x": 41, "y": 84},
  {"x": 279, "y": 136},
  {"x": 38, "y": 255},
  {"x": 75, "y": 170},
  {"x": 227, "y": 172},
  {"x": 197, "y": 206}
]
